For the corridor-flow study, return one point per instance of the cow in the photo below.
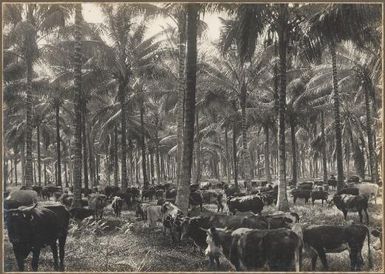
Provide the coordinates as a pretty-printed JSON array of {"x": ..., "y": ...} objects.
[
  {"x": 219, "y": 202},
  {"x": 31, "y": 228},
  {"x": 97, "y": 202},
  {"x": 369, "y": 189},
  {"x": 349, "y": 190},
  {"x": 67, "y": 199},
  {"x": 191, "y": 226},
  {"x": 230, "y": 190},
  {"x": 205, "y": 185},
  {"x": 352, "y": 203},
  {"x": 140, "y": 211},
  {"x": 306, "y": 186},
  {"x": 21, "y": 198},
  {"x": 301, "y": 194},
  {"x": 319, "y": 195},
  {"x": 322, "y": 239},
  {"x": 38, "y": 190},
  {"x": 332, "y": 182},
  {"x": 251, "y": 203},
  {"x": 172, "y": 220},
  {"x": 171, "y": 195},
  {"x": 354, "y": 179},
  {"x": 80, "y": 213},
  {"x": 196, "y": 199},
  {"x": 49, "y": 190},
  {"x": 117, "y": 204},
  {"x": 148, "y": 194},
  {"x": 154, "y": 214},
  {"x": 159, "y": 194},
  {"x": 111, "y": 191},
  {"x": 255, "y": 249}
]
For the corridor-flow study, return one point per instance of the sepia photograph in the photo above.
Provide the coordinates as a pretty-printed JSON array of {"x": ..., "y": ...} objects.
[{"x": 192, "y": 137}]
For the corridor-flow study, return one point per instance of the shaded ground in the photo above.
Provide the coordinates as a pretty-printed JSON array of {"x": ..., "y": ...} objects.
[{"x": 127, "y": 244}]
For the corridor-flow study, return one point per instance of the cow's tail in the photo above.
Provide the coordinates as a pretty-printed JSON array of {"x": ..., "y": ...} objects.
[{"x": 370, "y": 262}]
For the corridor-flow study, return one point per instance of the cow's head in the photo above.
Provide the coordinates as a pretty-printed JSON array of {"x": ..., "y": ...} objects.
[{"x": 18, "y": 222}]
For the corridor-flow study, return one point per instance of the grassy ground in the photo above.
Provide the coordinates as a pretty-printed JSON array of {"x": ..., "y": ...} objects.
[{"x": 127, "y": 244}]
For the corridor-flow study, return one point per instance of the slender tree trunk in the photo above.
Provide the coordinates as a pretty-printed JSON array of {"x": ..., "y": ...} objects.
[
  {"x": 282, "y": 202},
  {"x": 228, "y": 163},
  {"x": 337, "y": 119},
  {"x": 15, "y": 164},
  {"x": 158, "y": 161},
  {"x": 58, "y": 150},
  {"x": 246, "y": 153},
  {"x": 84, "y": 141},
  {"x": 77, "y": 174},
  {"x": 65, "y": 173},
  {"x": 143, "y": 145},
  {"x": 152, "y": 166},
  {"x": 372, "y": 167},
  {"x": 123, "y": 139},
  {"x": 324, "y": 160},
  {"x": 28, "y": 176},
  {"x": 115, "y": 156},
  {"x": 197, "y": 149},
  {"x": 38, "y": 154},
  {"x": 182, "y": 199},
  {"x": 181, "y": 90},
  {"x": 235, "y": 156},
  {"x": 23, "y": 162},
  {"x": 267, "y": 154},
  {"x": 294, "y": 152}
]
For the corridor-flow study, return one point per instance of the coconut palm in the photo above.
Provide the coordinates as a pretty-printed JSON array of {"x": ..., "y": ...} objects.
[{"x": 329, "y": 27}]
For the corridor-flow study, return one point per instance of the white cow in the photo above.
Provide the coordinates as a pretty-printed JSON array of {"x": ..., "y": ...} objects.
[{"x": 369, "y": 189}]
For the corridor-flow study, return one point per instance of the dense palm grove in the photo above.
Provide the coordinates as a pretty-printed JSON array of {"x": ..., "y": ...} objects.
[{"x": 288, "y": 93}]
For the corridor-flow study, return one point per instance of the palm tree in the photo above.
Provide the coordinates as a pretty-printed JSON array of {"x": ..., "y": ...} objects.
[
  {"x": 327, "y": 28},
  {"x": 40, "y": 21},
  {"x": 77, "y": 173},
  {"x": 183, "y": 190}
]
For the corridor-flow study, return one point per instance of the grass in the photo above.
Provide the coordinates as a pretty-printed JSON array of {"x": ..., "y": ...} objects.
[{"x": 127, "y": 244}]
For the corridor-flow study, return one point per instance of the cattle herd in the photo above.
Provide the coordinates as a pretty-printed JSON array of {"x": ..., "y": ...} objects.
[{"x": 238, "y": 230}]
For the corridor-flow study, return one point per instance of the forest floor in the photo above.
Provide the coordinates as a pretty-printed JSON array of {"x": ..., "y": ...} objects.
[{"x": 127, "y": 244}]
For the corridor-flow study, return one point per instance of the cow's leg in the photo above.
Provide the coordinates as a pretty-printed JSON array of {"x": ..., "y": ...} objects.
[
  {"x": 354, "y": 260},
  {"x": 322, "y": 256},
  {"x": 345, "y": 214},
  {"x": 201, "y": 205},
  {"x": 54, "y": 254},
  {"x": 360, "y": 214},
  {"x": 19, "y": 258},
  {"x": 35, "y": 259},
  {"x": 294, "y": 199},
  {"x": 367, "y": 216},
  {"x": 62, "y": 242},
  {"x": 217, "y": 261},
  {"x": 312, "y": 200}
]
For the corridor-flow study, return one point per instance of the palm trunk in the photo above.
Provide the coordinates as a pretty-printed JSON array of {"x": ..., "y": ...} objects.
[
  {"x": 22, "y": 150},
  {"x": 158, "y": 161},
  {"x": 228, "y": 164},
  {"x": 84, "y": 141},
  {"x": 235, "y": 156},
  {"x": 123, "y": 139},
  {"x": 267, "y": 154},
  {"x": 38, "y": 154},
  {"x": 143, "y": 145},
  {"x": 197, "y": 149},
  {"x": 152, "y": 167},
  {"x": 115, "y": 156},
  {"x": 294, "y": 152},
  {"x": 324, "y": 160},
  {"x": 282, "y": 202},
  {"x": 77, "y": 174},
  {"x": 181, "y": 90},
  {"x": 246, "y": 153},
  {"x": 182, "y": 199},
  {"x": 65, "y": 173},
  {"x": 373, "y": 169},
  {"x": 15, "y": 165},
  {"x": 91, "y": 157},
  {"x": 28, "y": 176},
  {"x": 337, "y": 120},
  {"x": 58, "y": 151}
]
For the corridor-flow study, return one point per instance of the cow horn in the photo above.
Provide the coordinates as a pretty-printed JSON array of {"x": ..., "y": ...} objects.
[
  {"x": 28, "y": 208},
  {"x": 205, "y": 230}
]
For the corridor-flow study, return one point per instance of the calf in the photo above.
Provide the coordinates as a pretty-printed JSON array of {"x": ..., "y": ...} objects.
[
  {"x": 97, "y": 202},
  {"x": 172, "y": 220},
  {"x": 319, "y": 195},
  {"x": 301, "y": 194},
  {"x": 322, "y": 239},
  {"x": 31, "y": 228},
  {"x": 254, "y": 249},
  {"x": 352, "y": 203},
  {"x": 154, "y": 214},
  {"x": 251, "y": 203},
  {"x": 117, "y": 204},
  {"x": 140, "y": 211}
]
